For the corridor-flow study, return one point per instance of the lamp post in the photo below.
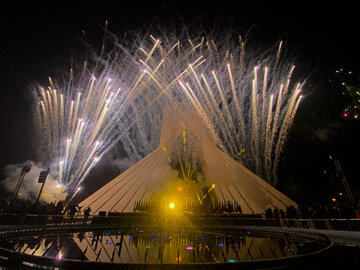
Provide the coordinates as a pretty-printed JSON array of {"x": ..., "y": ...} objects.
[
  {"x": 340, "y": 173},
  {"x": 26, "y": 168},
  {"x": 42, "y": 179}
]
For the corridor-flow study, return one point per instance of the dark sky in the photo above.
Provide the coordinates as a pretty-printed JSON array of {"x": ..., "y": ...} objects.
[{"x": 39, "y": 37}]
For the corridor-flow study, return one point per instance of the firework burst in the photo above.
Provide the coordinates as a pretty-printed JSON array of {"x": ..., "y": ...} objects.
[
  {"x": 85, "y": 116},
  {"x": 246, "y": 100}
]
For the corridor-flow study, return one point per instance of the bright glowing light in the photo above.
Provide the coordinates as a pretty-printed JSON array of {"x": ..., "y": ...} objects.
[{"x": 171, "y": 205}]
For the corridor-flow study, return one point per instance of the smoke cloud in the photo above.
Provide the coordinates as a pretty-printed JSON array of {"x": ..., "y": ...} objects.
[{"x": 30, "y": 187}]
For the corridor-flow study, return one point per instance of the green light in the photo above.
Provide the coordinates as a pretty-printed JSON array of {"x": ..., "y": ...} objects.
[{"x": 147, "y": 246}]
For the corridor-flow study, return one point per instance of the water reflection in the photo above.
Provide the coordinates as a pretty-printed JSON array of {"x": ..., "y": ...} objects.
[{"x": 160, "y": 246}]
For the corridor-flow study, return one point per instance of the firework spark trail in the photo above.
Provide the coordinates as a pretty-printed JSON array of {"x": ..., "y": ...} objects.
[
  {"x": 267, "y": 150},
  {"x": 254, "y": 119},
  {"x": 220, "y": 117},
  {"x": 240, "y": 117},
  {"x": 198, "y": 107},
  {"x": 286, "y": 123},
  {"x": 227, "y": 114},
  {"x": 263, "y": 106}
]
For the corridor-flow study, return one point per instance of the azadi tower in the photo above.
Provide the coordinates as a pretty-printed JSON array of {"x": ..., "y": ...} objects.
[{"x": 186, "y": 169}]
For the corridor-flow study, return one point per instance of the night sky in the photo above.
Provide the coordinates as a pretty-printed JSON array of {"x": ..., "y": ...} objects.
[{"x": 39, "y": 38}]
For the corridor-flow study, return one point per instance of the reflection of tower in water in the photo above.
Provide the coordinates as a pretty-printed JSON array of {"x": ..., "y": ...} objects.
[{"x": 162, "y": 245}]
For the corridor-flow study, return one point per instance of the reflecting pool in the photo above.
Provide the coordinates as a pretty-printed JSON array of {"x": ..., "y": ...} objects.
[{"x": 146, "y": 245}]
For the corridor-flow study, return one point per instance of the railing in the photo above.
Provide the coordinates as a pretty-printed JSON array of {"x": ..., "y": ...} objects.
[
  {"x": 320, "y": 224},
  {"x": 29, "y": 219},
  {"x": 58, "y": 220}
]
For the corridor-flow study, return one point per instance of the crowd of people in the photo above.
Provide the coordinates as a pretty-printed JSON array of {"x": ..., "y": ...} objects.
[
  {"x": 342, "y": 209},
  {"x": 190, "y": 207},
  {"x": 26, "y": 206},
  {"x": 333, "y": 210}
]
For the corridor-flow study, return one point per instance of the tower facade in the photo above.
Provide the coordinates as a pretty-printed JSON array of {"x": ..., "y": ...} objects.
[{"x": 187, "y": 171}]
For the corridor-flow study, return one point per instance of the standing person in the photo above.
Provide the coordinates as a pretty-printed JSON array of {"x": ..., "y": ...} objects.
[
  {"x": 276, "y": 216},
  {"x": 268, "y": 213},
  {"x": 357, "y": 214},
  {"x": 86, "y": 214},
  {"x": 72, "y": 211}
]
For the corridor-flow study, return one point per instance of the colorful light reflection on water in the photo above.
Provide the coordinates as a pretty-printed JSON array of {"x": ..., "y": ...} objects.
[{"x": 159, "y": 246}]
